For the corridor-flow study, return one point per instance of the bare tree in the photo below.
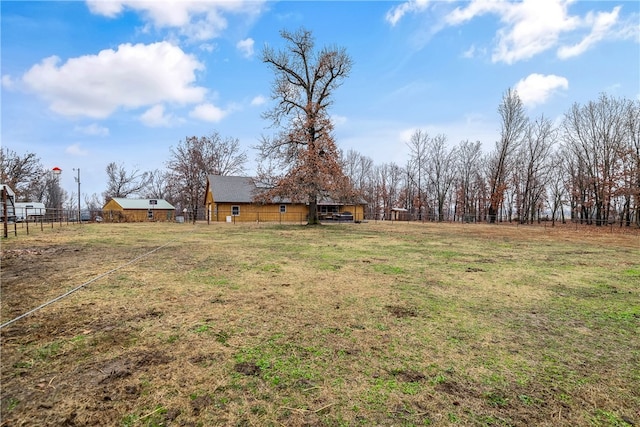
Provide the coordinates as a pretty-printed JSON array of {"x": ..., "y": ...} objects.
[
  {"x": 418, "y": 147},
  {"x": 596, "y": 134},
  {"x": 532, "y": 169},
  {"x": 23, "y": 173},
  {"x": 557, "y": 187},
  {"x": 93, "y": 203},
  {"x": 45, "y": 188},
  {"x": 468, "y": 172},
  {"x": 441, "y": 171},
  {"x": 631, "y": 165},
  {"x": 123, "y": 183},
  {"x": 513, "y": 126},
  {"x": 305, "y": 81},
  {"x": 193, "y": 160},
  {"x": 158, "y": 186}
]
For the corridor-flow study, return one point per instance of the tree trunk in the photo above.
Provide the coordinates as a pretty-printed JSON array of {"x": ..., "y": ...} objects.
[{"x": 313, "y": 210}]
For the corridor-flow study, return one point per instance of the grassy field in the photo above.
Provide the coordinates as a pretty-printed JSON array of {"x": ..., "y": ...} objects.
[{"x": 339, "y": 325}]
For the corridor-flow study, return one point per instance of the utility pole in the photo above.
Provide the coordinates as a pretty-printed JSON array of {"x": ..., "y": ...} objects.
[{"x": 78, "y": 181}]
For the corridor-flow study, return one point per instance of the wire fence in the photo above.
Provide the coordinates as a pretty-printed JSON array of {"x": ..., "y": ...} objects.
[{"x": 63, "y": 217}]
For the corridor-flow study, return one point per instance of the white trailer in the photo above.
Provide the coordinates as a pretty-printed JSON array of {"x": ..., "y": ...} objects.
[{"x": 29, "y": 211}]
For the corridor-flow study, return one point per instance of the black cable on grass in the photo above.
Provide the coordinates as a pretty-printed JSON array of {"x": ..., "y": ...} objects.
[{"x": 81, "y": 286}]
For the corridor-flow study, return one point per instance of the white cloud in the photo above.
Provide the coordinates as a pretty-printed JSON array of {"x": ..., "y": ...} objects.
[
  {"x": 395, "y": 14},
  {"x": 530, "y": 27},
  {"x": 208, "y": 113},
  {"x": 197, "y": 20},
  {"x": 338, "y": 120},
  {"x": 258, "y": 100},
  {"x": 208, "y": 47},
  {"x": 535, "y": 89},
  {"x": 8, "y": 82},
  {"x": 156, "y": 117},
  {"x": 246, "y": 47},
  {"x": 131, "y": 77},
  {"x": 601, "y": 25},
  {"x": 76, "y": 150},
  {"x": 93, "y": 129}
]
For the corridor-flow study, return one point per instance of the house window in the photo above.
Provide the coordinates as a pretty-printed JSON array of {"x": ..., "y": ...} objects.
[
  {"x": 235, "y": 210},
  {"x": 283, "y": 209}
]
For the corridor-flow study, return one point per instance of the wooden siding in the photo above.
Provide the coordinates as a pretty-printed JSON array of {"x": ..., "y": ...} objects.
[
  {"x": 249, "y": 212},
  {"x": 113, "y": 212}
]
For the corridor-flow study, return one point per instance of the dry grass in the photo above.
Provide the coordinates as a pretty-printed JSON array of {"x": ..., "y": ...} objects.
[{"x": 358, "y": 324}]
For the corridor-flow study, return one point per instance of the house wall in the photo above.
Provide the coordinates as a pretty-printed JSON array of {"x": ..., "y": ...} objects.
[
  {"x": 113, "y": 212},
  {"x": 262, "y": 213},
  {"x": 271, "y": 212}
]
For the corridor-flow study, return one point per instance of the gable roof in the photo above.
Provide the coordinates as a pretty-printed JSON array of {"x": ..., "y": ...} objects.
[
  {"x": 242, "y": 189},
  {"x": 142, "y": 203},
  {"x": 232, "y": 189}
]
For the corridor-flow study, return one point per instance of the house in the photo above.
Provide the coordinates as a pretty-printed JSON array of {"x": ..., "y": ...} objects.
[
  {"x": 231, "y": 198},
  {"x": 120, "y": 209}
]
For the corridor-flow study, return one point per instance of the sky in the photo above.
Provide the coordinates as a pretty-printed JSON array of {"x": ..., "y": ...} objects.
[{"x": 89, "y": 83}]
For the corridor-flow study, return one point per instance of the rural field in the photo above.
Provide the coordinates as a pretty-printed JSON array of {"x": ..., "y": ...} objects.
[{"x": 387, "y": 324}]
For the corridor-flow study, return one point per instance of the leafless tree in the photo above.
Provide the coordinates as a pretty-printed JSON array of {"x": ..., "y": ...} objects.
[
  {"x": 532, "y": 167},
  {"x": 596, "y": 134},
  {"x": 193, "y": 160},
  {"x": 123, "y": 183},
  {"x": 631, "y": 165},
  {"x": 418, "y": 148},
  {"x": 158, "y": 186},
  {"x": 440, "y": 171},
  {"x": 93, "y": 203},
  {"x": 303, "y": 88},
  {"x": 468, "y": 172},
  {"x": 513, "y": 126},
  {"x": 23, "y": 173},
  {"x": 557, "y": 193}
]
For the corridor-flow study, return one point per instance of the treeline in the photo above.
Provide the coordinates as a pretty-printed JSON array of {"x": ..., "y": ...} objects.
[
  {"x": 584, "y": 168},
  {"x": 182, "y": 183}
]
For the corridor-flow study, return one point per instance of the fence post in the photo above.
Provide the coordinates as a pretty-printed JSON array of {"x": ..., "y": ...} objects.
[{"x": 5, "y": 213}]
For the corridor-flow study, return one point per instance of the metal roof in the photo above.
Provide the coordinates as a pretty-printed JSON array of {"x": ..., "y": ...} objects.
[{"x": 142, "y": 203}]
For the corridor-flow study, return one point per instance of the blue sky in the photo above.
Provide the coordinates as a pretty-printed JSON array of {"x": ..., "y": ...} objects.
[{"x": 89, "y": 83}]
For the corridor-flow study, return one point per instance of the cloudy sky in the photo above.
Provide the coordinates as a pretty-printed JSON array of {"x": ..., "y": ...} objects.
[{"x": 88, "y": 83}]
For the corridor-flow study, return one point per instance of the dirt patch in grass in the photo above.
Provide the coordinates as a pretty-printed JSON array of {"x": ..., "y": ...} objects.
[{"x": 361, "y": 324}]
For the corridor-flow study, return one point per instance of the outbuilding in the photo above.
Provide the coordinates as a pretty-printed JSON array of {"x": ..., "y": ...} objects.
[{"x": 121, "y": 209}]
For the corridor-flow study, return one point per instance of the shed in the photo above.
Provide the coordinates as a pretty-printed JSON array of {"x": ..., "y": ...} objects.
[{"x": 121, "y": 209}]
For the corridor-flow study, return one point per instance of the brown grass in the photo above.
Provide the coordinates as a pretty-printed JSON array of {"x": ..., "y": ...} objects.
[{"x": 360, "y": 324}]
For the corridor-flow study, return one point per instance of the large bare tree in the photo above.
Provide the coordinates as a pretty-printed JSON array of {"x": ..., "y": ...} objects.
[
  {"x": 194, "y": 159},
  {"x": 303, "y": 88},
  {"x": 513, "y": 126},
  {"x": 23, "y": 173},
  {"x": 122, "y": 182},
  {"x": 418, "y": 148}
]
